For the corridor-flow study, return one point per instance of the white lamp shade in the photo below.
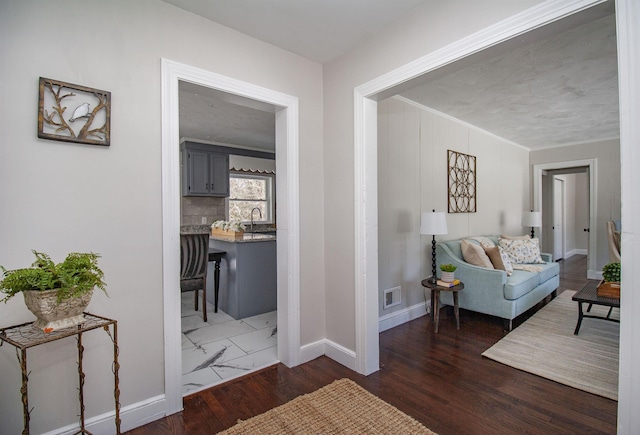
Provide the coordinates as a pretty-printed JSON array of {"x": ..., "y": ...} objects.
[
  {"x": 433, "y": 223},
  {"x": 531, "y": 219}
]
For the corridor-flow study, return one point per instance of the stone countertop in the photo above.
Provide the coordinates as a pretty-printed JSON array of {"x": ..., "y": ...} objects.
[{"x": 246, "y": 238}]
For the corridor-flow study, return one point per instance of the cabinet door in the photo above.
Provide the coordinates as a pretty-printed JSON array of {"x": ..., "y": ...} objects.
[
  {"x": 219, "y": 175},
  {"x": 198, "y": 168}
]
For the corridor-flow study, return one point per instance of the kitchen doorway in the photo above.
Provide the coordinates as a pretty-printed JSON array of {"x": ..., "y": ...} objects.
[
  {"x": 239, "y": 334},
  {"x": 288, "y": 291}
]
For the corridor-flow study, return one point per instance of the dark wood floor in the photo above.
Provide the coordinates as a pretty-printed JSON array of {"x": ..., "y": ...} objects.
[{"x": 439, "y": 379}]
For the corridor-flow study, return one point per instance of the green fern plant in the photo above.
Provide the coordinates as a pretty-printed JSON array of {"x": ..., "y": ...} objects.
[{"x": 77, "y": 275}]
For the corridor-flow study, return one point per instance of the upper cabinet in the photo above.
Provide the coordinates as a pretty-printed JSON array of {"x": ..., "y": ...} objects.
[{"x": 204, "y": 172}]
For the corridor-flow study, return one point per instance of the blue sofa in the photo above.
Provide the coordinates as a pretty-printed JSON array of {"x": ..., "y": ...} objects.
[{"x": 491, "y": 291}]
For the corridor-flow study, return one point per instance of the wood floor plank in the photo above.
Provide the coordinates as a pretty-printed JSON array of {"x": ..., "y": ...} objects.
[{"x": 440, "y": 379}]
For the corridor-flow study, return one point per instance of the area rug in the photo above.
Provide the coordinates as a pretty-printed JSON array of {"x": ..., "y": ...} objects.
[
  {"x": 340, "y": 407},
  {"x": 545, "y": 346}
]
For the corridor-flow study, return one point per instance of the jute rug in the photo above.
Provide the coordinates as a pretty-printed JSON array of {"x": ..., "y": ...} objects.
[
  {"x": 545, "y": 346},
  {"x": 340, "y": 407}
]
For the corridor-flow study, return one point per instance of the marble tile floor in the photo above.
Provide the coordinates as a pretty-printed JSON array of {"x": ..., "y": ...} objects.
[{"x": 223, "y": 348}]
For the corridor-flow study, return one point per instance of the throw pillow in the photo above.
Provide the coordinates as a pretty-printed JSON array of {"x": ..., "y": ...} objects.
[
  {"x": 499, "y": 259},
  {"x": 522, "y": 251},
  {"x": 523, "y": 237},
  {"x": 474, "y": 254},
  {"x": 485, "y": 242}
]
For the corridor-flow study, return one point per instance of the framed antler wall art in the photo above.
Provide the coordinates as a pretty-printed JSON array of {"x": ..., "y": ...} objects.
[
  {"x": 461, "y": 185},
  {"x": 73, "y": 113}
]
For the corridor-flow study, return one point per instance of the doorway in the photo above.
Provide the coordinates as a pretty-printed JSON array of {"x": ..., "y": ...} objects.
[
  {"x": 288, "y": 287},
  {"x": 239, "y": 339},
  {"x": 566, "y": 225},
  {"x": 365, "y": 156},
  {"x": 585, "y": 226}
]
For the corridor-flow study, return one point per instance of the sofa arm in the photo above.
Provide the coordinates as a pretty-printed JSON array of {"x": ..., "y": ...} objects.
[
  {"x": 492, "y": 280},
  {"x": 546, "y": 257}
]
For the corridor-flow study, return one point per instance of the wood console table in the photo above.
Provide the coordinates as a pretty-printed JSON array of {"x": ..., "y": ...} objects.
[{"x": 24, "y": 336}]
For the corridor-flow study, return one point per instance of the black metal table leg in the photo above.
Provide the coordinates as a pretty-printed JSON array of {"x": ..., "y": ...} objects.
[
  {"x": 580, "y": 316},
  {"x": 216, "y": 282}
]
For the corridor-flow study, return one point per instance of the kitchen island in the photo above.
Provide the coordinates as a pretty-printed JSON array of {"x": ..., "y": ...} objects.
[{"x": 248, "y": 271}]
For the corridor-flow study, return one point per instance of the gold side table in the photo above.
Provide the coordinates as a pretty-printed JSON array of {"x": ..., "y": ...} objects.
[{"x": 25, "y": 336}]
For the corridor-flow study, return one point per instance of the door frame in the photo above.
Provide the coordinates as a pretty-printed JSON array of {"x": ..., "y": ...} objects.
[
  {"x": 288, "y": 232},
  {"x": 563, "y": 221},
  {"x": 592, "y": 164},
  {"x": 365, "y": 156}
]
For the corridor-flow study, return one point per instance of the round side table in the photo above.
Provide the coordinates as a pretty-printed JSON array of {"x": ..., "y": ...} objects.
[{"x": 435, "y": 300}]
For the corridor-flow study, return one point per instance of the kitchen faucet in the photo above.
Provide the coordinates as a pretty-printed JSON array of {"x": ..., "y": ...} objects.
[{"x": 252, "y": 210}]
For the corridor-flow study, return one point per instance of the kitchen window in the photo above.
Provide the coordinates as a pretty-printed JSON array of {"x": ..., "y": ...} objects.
[{"x": 248, "y": 190}]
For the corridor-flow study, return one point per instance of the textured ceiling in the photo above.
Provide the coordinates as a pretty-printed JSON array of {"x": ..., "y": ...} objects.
[
  {"x": 557, "y": 91},
  {"x": 210, "y": 115},
  {"x": 544, "y": 91}
]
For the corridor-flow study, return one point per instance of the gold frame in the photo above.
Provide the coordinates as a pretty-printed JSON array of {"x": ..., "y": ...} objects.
[
  {"x": 60, "y": 125},
  {"x": 461, "y": 182}
]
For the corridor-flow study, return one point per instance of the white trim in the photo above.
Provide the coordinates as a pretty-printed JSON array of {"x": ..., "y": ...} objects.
[
  {"x": 404, "y": 315},
  {"x": 288, "y": 225},
  {"x": 365, "y": 175},
  {"x": 312, "y": 351},
  {"x": 331, "y": 349},
  {"x": 537, "y": 171},
  {"x": 459, "y": 121},
  {"x": 628, "y": 37},
  {"x": 132, "y": 416},
  {"x": 576, "y": 252},
  {"x": 570, "y": 144}
]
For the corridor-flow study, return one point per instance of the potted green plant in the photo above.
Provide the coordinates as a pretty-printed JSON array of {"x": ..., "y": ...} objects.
[
  {"x": 448, "y": 274},
  {"x": 56, "y": 293},
  {"x": 610, "y": 284},
  {"x": 611, "y": 272}
]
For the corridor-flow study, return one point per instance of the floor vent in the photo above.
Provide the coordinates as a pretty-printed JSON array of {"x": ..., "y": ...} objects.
[{"x": 392, "y": 297}]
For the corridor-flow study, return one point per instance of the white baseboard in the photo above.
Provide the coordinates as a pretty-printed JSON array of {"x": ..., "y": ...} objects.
[
  {"x": 312, "y": 351},
  {"x": 347, "y": 357},
  {"x": 594, "y": 274},
  {"x": 131, "y": 416},
  {"x": 399, "y": 317},
  {"x": 333, "y": 350},
  {"x": 341, "y": 354},
  {"x": 576, "y": 252}
]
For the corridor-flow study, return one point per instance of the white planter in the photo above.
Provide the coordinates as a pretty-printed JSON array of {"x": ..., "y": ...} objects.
[
  {"x": 53, "y": 315},
  {"x": 447, "y": 276}
]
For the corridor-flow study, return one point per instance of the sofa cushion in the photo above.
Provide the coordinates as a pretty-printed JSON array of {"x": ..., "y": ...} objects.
[
  {"x": 520, "y": 283},
  {"x": 474, "y": 254},
  {"x": 522, "y": 251},
  {"x": 549, "y": 270},
  {"x": 499, "y": 259}
]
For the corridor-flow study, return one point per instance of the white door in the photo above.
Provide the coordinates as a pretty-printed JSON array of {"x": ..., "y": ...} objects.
[{"x": 558, "y": 218}]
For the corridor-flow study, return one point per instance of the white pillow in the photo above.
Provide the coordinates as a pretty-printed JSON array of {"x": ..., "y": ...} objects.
[{"x": 521, "y": 251}]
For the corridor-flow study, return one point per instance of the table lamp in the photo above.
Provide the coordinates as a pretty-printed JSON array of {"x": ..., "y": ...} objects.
[
  {"x": 433, "y": 223},
  {"x": 532, "y": 219}
]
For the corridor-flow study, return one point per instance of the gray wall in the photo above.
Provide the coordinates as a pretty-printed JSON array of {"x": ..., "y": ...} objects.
[
  {"x": 59, "y": 197},
  {"x": 412, "y": 178}
]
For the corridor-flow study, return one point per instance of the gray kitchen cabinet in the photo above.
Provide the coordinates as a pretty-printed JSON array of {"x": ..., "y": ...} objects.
[{"x": 204, "y": 173}]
